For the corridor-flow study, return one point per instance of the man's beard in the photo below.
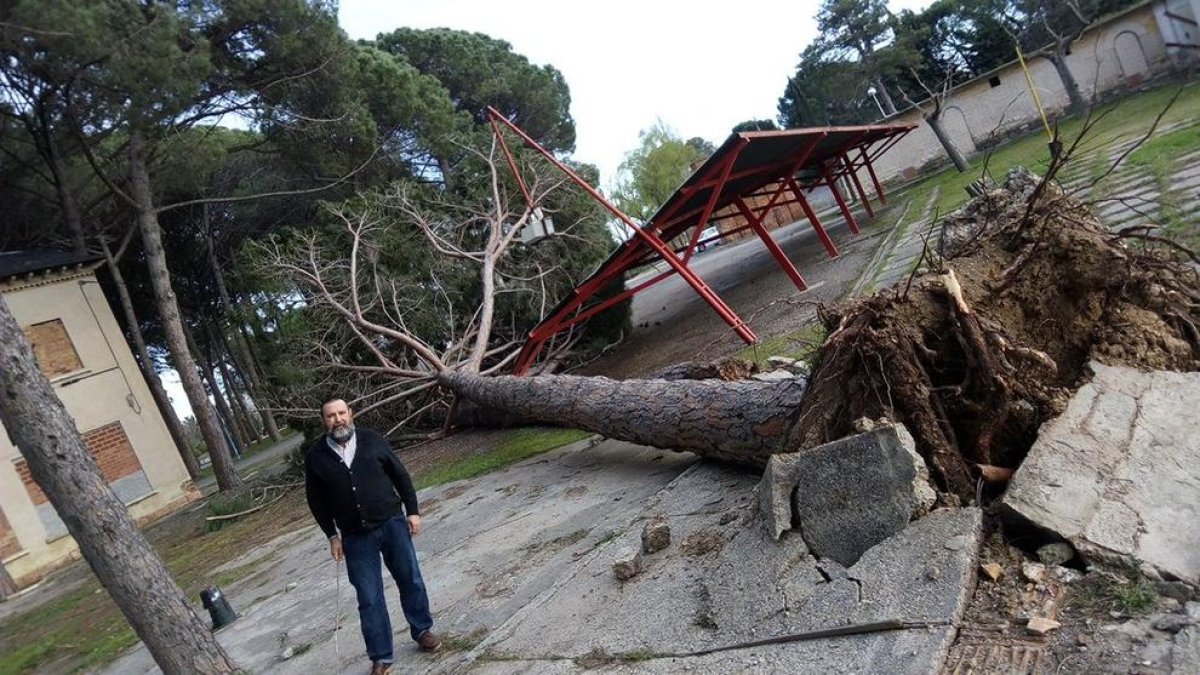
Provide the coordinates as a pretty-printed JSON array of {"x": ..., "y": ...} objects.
[{"x": 342, "y": 434}]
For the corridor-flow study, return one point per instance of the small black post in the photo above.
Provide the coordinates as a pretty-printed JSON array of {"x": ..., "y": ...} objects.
[{"x": 218, "y": 607}]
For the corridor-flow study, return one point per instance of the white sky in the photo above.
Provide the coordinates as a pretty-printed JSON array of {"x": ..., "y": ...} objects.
[{"x": 700, "y": 67}]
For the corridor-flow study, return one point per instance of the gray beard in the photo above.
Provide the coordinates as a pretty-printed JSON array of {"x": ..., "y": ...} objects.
[{"x": 342, "y": 434}]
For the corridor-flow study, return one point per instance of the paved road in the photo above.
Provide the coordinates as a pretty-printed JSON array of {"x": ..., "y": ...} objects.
[
  {"x": 730, "y": 265},
  {"x": 265, "y": 462}
]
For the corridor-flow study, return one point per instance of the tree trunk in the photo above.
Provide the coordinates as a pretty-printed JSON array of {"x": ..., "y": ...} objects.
[
  {"x": 243, "y": 366},
  {"x": 253, "y": 382},
  {"x": 743, "y": 421},
  {"x": 935, "y": 123},
  {"x": 885, "y": 98},
  {"x": 1059, "y": 59},
  {"x": 66, "y": 199},
  {"x": 239, "y": 402},
  {"x": 147, "y": 367},
  {"x": 168, "y": 311},
  {"x": 208, "y": 373},
  {"x": 116, "y": 550}
]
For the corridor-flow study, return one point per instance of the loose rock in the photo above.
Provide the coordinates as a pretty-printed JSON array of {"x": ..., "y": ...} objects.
[
  {"x": 1172, "y": 623},
  {"x": 656, "y": 534},
  {"x": 993, "y": 570},
  {"x": 628, "y": 563},
  {"x": 1041, "y": 626},
  {"x": 1055, "y": 554},
  {"x": 1034, "y": 572}
]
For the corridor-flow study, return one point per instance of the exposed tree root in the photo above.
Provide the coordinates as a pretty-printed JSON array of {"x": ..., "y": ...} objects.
[{"x": 974, "y": 358}]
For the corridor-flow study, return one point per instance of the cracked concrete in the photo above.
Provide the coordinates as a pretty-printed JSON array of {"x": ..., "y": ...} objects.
[
  {"x": 1118, "y": 473},
  {"x": 518, "y": 565}
]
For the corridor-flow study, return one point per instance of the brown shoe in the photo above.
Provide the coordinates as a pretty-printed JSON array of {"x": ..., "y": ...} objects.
[
  {"x": 381, "y": 668},
  {"x": 429, "y": 641}
]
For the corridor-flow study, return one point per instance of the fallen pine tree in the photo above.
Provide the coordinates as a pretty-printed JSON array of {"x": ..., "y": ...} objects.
[{"x": 972, "y": 355}]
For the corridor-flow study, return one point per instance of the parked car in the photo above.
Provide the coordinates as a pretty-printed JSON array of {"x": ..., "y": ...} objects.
[{"x": 709, "y": 233}]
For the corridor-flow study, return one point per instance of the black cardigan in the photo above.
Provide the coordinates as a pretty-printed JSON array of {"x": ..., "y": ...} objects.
[{"x": 363, "y": 496}]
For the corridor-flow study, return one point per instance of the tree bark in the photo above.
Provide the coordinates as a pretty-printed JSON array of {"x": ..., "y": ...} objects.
[
  {"x": 935, "y": 123},
  {"x": 208, "y": 373},
  {"x": 116, "y": 550},
  {"x": 147, "y": 367},
  {"x": 253, "y": 382},
  {"x": 168, "y": 311},
  {"x": 239, "y": 403},
  {"x": 743, "y": 422},
  {"x": 1059, "y": 58}
]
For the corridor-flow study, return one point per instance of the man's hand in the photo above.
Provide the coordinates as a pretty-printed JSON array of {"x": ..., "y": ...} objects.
[
  {"x": 335, "y": 548},
  {"x": 414, "y": 525}
]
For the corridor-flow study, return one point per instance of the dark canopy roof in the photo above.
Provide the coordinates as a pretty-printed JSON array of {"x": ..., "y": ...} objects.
[
  {"x": 745, "y": 166},
  {"x": 761, "y": 158},
  {"x": 17, "y": 263}
]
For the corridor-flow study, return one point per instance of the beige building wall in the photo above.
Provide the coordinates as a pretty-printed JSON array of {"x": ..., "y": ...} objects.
[
  {"x": 1122, "y": 53},
  {"x": 109, "y": 395}
]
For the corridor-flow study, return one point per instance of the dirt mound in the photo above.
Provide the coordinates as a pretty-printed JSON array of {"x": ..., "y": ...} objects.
[{"x": 974, "y": 355}]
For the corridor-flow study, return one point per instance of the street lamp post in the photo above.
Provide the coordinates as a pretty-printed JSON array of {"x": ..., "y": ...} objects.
[{"x": 871, "y": 92}]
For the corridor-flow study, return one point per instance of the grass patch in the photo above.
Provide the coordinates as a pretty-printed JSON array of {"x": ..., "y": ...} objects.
[
  {"x": 1125, "y": 591},
  {"x": 85, "y": 619},
  {"x": 1128, "y": 119},
  {"x": 801, "y": 345},
  {"x": 519, "y": 445},
  {"x": 1168, "y": 146}
]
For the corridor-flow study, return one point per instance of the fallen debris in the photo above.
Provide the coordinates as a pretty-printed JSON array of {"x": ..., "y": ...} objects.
[
  {"x": 974, "y": 357},
  {"x": 993, "y": 570},
  {"x": 627, "y": 564},
  {"x": 656, "y": 534},
  {"x": 1117, "y": 473},
  {"x": 1041, "y": 626},
  {"x": 848, "y": 495}
]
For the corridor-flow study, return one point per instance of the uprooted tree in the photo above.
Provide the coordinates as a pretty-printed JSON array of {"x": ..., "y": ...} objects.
[{"x": 972, "y": 356}]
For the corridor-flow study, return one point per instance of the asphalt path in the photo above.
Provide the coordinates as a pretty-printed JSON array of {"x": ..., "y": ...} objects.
[{"x": 731, "y": 265}]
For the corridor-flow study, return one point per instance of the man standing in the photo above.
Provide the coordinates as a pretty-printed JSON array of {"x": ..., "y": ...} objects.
[{"x": 356, "y": 487}]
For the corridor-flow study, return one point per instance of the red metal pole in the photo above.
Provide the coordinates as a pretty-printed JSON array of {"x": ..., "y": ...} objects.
[
  {"x": 813, "y": 220},
  {"x": 837, "y": 194},
  {"x": 785, "y": 263},
  {"x": 702, "y": 289},
  {"x": 712, "y": 198},
  {"x": 874, "y": 178},
  {"x": 862, "y": 194}
]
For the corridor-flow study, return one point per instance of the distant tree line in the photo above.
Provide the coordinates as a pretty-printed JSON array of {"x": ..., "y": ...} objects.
[{"x": 910, "y": 56}]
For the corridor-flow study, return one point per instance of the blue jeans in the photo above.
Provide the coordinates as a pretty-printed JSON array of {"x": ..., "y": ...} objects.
[{"x": 391, "y": 542}]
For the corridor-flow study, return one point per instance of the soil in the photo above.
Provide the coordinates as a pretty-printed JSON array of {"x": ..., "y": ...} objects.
[{"x": 973, "y": 374}]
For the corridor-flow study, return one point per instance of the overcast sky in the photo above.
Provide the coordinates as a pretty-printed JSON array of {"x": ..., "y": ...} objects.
[{"x": 700, "y": 67}]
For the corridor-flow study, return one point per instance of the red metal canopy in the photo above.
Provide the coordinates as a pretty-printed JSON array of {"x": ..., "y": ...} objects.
[{"x": 750, "y": 175}]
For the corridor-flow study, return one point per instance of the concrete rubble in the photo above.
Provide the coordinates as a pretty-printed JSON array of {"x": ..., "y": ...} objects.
[
  {"x": 1118, "y": 473},
  {"x": 846, "y": 496}
]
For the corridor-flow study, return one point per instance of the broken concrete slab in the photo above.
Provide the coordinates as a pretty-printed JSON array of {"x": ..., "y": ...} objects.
[
  {"x": 749, "y": 589},
  {"x": 846, "y": 496},
  {"x": 1118, "y": 473}
]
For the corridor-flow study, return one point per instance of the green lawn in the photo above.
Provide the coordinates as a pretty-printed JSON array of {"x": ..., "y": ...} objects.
[
  {"x": 1128, "y": 119},
  {"x": 520, "y": 444}
]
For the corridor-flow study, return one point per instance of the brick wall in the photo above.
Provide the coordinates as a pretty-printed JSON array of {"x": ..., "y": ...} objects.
[
  {"x": 110, "y": 448},
  {"x": 52, "y": 348},
  {"x": 8, "y": 539}
]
